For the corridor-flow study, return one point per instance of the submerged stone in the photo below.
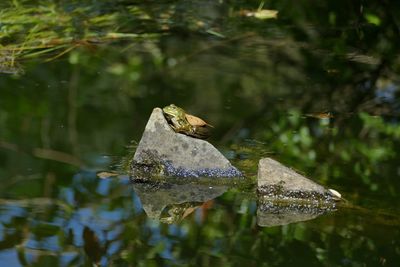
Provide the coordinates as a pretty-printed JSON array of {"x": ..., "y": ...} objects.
[
  {"x": 276, "y": 181},
  {"x": 161, "y": 151}
]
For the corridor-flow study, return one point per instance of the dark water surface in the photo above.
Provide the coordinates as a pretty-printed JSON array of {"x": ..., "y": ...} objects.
[{"x": 316, "y": 87}]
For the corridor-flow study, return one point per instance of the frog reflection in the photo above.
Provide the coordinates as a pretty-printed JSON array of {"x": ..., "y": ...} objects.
[
  {"x": 172, "y": 202},
  {"x": 177, "y": 212}
]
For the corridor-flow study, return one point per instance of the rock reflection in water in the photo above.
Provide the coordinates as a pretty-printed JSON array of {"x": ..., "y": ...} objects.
[
  {"x": 172, "y": 202},
  {"x": 273, "y": 213}
]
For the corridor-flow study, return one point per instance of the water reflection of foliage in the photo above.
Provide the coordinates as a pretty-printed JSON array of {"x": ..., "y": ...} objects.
[
  {"x": 116, "y": 231},
  {"x": 327, "y": 148},
  {"x": 53, "y": 29}
]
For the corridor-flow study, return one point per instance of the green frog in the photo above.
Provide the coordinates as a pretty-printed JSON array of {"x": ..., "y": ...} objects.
[{"x": 184, "y": 123}]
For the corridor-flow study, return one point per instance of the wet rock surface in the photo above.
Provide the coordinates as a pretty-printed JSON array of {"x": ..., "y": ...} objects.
[{"x": 161, "y": 151}]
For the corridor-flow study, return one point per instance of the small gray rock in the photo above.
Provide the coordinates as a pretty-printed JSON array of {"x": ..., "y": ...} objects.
[
  {"x": 278, "y": 181},
  {"x": 163, "y": 151}
]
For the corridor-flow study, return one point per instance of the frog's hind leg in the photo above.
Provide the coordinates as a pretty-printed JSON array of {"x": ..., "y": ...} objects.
[{"x": 200, "y": 132}]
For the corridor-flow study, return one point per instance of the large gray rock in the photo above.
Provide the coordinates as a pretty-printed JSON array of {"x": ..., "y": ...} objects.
[
  {"x": 276, "y": 181},
  {"x": 162, "y": 151}
]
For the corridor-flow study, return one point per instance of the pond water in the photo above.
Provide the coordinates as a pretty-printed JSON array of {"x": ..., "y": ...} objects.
[{"x": 314, "y": 86}]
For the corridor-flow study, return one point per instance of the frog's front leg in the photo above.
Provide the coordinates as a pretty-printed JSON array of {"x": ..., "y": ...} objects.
[{"x": 174, "y": 124}]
